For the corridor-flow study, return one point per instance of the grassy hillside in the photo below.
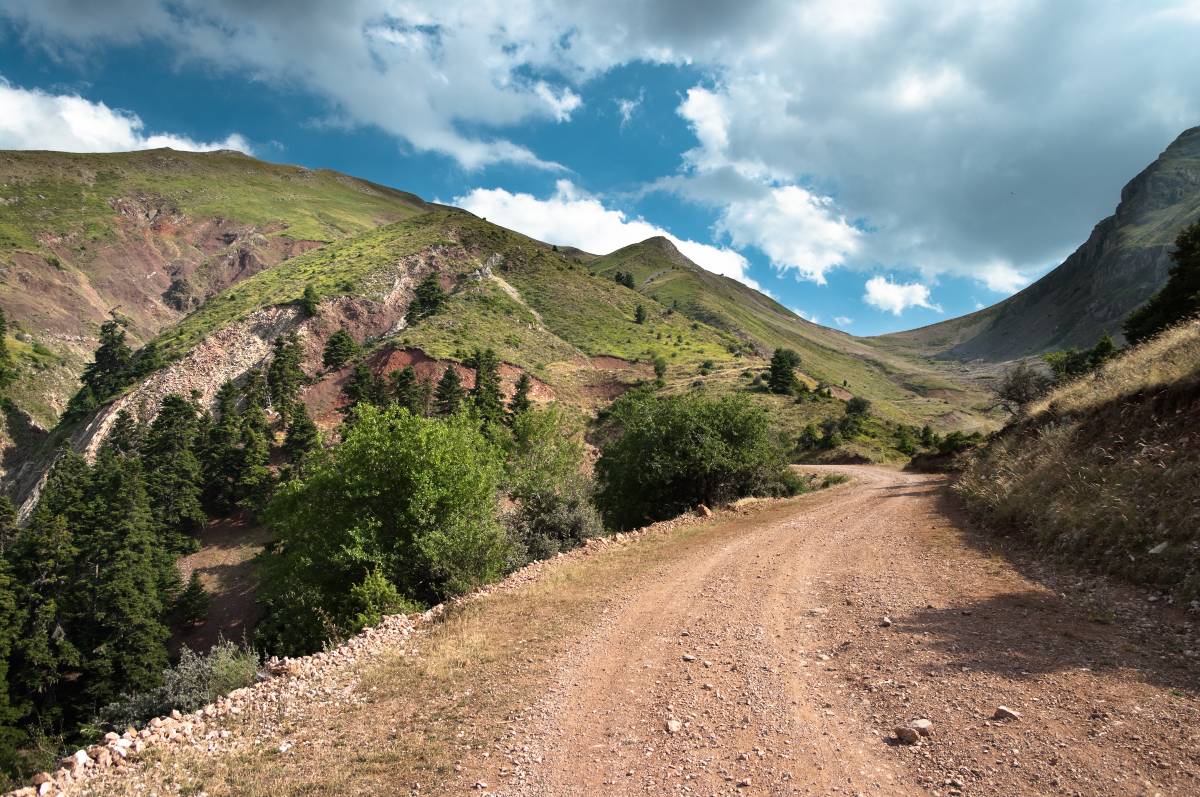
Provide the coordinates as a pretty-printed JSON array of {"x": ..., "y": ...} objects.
[
  {"x": 904, "y": 389},
  {"x": 1119, "y": 267},
  {"x": 1103, "y": 471},
  {"x": 151, "y": 235}
]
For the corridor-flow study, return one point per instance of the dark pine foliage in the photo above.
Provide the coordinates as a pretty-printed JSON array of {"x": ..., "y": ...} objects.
[{"x": 1179, "y": 298}]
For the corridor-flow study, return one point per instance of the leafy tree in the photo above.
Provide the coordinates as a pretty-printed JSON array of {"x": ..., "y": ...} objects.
[
  {"x": 428, "y": 297},
  {"x": 310, "y": 300},
  {"x": 858, "y": 406},
  {"x": 408, "y": 499},
  {"x": 660, "y": 370},
  {"x": 1070, "y": 363},
  {"x": 174, "y": 477},
  {"x": 782, "y": 378},
  {"x": 1178, "y": 299},
  {"x": 809, "y": 438},
  {"x": 639, "y": 315},
  {"x": 284, "y": 377},
  {"x": 544, "y": 478},
  {"x": 486, "y": 398},
  {"x": 449, "y": 395},
  {"x": 520, "y": 401},
  {"x": 667, "y": 454},
  {"x": 8, "y": 371},
  {"x": 339, "y": 349},
  {"x": 1020, "y": 386}
]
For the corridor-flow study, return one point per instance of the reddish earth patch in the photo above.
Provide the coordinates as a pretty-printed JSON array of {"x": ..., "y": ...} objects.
[
  {"x": 225, "y": 562},
  {"x": 324, "y": 398}
]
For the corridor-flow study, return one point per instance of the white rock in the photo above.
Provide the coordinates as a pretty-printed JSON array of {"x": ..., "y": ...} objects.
[
  {"x": 674, "y": 726},
  {"x": 1006, "y": 713},
  {"x": 922, "y": 726}
]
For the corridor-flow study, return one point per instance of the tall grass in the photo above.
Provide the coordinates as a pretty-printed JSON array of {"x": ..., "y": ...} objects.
[{"x": 1105, "y": 470}]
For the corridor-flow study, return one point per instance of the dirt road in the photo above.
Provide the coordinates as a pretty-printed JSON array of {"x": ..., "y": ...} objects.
[
  {"x": 763, "y": 664},
  {"x": 747, "y": 655}
]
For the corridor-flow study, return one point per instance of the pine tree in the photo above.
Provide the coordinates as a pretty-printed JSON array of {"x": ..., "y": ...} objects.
[
  {"x": 284, "y": 376},
  {"x": 428, "y": 299},
  {"x": 8, "y": 372},
  {"x": 1179, "y": 298},
  {"x": 302, "y": 436},
  {"x": 148, "y": 359},
  {"x": 112, "y": 367},
  {"x": 254, "y": 479},
  {"x": 520, "y": 401},
  {"x": 363, "y": 387},
  {"x": 310, "y": 300},
  {"x": 192, "y": 605},
  {"x": 219, "y": 453},
  {"x": 339, "y": 349},
  {"x": 126, "y": 434},
  {"x": 486, "y": 397},
  {"x": 122, "y": 570},
  {"x": 639, "y": 315},
  {"x": 174, "y": 477},
  {"x": 782, "y": 378},
  {"x": 43, "y": 654},
  {"x": 8, "y": 523},
  {"x": 449, "y": 395},
  {"x": 256, "y": 391},
  {"x": 11, "y": 736}
]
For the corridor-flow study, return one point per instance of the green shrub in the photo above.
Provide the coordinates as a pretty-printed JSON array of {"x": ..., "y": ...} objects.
[
  {"x": 553, "y": 507},
  {"x": 666, "y": 454},
  {"x": 407, "y": 499},
  {"x": 198, "y": 679}
]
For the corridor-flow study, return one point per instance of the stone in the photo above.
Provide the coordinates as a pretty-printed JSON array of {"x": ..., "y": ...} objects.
[
  {"x": 45, "y": 788},
  {"x": 1006, "y": 713},
  {"x": 906, "y": 735},
  {"x": 818, "y": 611},
  {"x": 922, "y": 726},
  {"x": 688, "y": 657},
  {"x": 674, "y": 726},
  {"x": 40, "y": 778},
  {"x": 886, "y": 622},
  {"x": 703, "y": 511},
  {"x": 81, "y": 758},
  {"x": 111, "y": 737},
  {"x": 744, "y": 783},
  {"x": 1157, "y": 549}
]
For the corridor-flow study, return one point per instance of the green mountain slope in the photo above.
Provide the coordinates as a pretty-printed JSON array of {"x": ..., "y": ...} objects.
[
  {"x": 904, "y": 389},
  {"x": 1119, "y": 267},
  {"x": 151, "y": 235}
]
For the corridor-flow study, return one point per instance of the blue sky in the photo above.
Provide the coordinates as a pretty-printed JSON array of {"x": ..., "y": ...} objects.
[{"x": 875, "y": 166}]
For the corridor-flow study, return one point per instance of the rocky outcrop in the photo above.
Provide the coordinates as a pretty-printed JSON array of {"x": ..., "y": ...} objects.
[{"x": 1121, "y": 265}]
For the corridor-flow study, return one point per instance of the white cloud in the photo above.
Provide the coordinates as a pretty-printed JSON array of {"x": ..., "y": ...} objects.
[
  {"x": 842, "y": 321},
  {"x": 896, "y": 297},
  {"x": 572, "y": 217},
  {"x": 1001, "y": 277},
  {"x": 627, "y": 106},
  {"x": 816, "y": 319},
  {"x": 797, "y": 230},
  {"x": 32, "y": 119}
]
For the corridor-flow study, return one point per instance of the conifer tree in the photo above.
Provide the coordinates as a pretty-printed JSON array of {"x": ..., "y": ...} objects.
[
  {"x": 302, "y": 436},
  {"x": 782, "y": 378},
  {"x": 174, "y": 477},
  {"x": 339, "y": 350},
  {"x": 122, "y": 571},
  {"x": 148, "y": 359},
  {"x": 284, "y": 377},
  {"x": 639, "y": 315},
  {"x": 192, "y": 605},
  {"x": 8, "y": 523},
  {"x": 310, "y": 300},
  {"x": 1179, "y": 298},
  {"x": 520, "y": 401},
  {"x": 11, "y": 736},
  {"x": 363, "y": 387},
  {"x": 486, "y": 397},
  {"x": 429, "y": 297},
  {"x": 126, "y": 434},
  {"x": 449, "y": 395},
  {"x": 220, "y": 455},
  {"x": 254, "y": 478},
  {"x": 112, "y": 367}
]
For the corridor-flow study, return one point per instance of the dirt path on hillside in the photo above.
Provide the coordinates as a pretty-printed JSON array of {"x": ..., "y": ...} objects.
[{"x": 762, "y": 664}]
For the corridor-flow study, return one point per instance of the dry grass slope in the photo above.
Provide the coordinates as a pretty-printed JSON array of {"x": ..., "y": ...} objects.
[{"x": 1104, "y": 470}]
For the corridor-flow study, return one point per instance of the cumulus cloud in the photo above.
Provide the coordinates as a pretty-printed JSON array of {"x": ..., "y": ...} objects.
[
  {"x": 954, "y": 134},
  {"x": 572, "y": 217},
  {"x": 32, "y": 119},
  {"x": 896, "y": 297}
]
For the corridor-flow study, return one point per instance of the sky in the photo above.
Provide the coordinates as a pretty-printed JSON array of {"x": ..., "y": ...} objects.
[{"x": 873, "y": 165}]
